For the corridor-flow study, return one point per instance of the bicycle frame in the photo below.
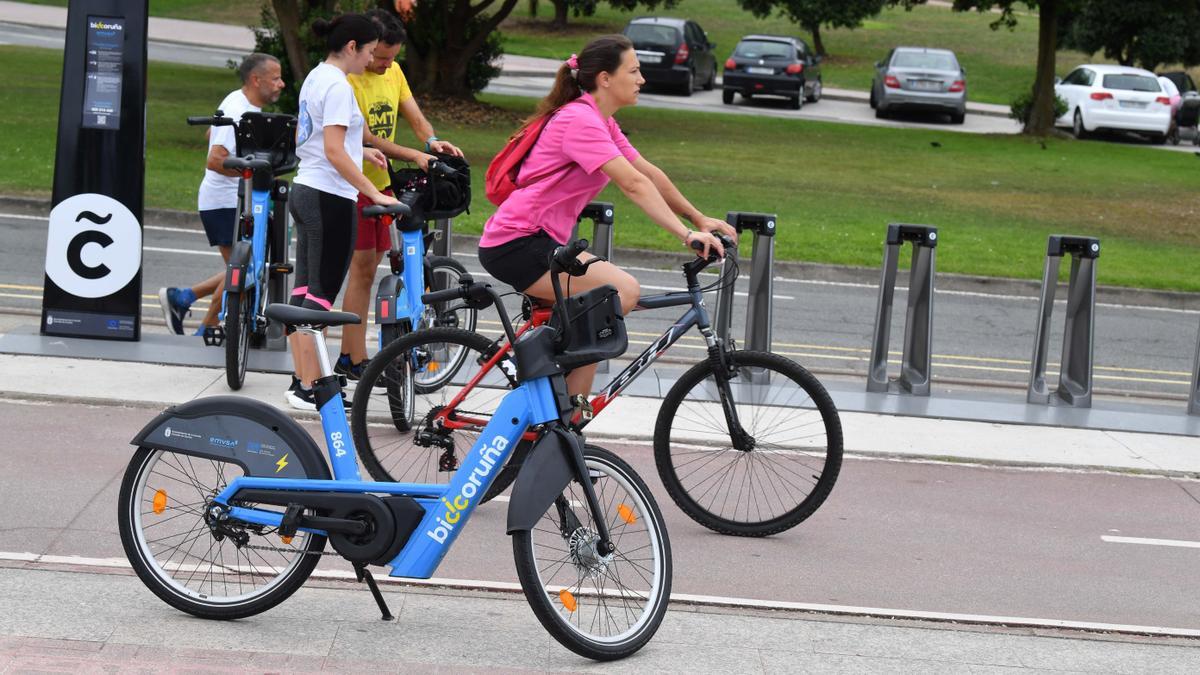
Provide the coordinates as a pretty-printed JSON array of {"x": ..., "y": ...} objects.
[
  {"x": 447, "y": 507},
  {"x": 258, "y": 204},
  {"x": 400, "y": 301}
]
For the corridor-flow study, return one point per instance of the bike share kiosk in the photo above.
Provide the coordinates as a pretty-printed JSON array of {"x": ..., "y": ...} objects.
[
  {"x": 762, "y": 285},
  {"x": 1075, "y": 371},
  {"x": 93, "y": 285},
  {"x": 918, "y": 322}
]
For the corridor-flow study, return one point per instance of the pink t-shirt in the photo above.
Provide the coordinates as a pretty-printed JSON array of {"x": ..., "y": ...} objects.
[{"x": 560, "y": 175}]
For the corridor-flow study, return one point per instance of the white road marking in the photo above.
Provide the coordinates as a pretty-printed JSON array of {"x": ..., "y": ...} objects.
[
  {"x": 34, "y": 559},
  {"x": 1177, "y": 543}
]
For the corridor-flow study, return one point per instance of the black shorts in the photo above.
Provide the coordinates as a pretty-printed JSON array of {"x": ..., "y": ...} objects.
[
  {"x": 219, "y": 225},
  {"x": 520, "y": 262}
]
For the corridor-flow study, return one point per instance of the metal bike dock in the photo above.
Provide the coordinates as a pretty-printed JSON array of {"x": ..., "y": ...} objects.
[
  {"x": 1194, "y": 398},
  {"x": 277, "y": 284},
  {"x": 1075, "y": 371},
  {"x": 762, "y": 284},
  {"x": 443, "y": 236},
  {"x": 918, "y": 323},
  {"x": 601, "y": 215}
]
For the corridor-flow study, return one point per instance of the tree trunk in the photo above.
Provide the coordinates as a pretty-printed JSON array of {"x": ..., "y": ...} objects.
[
  {"x": 1041, "y": 117},
  {"x": 287, "y": 12},
  {"x": 560, "y": 14},
  {"x": 533, "y": 8},
  {"x": 817, "y": 44}
]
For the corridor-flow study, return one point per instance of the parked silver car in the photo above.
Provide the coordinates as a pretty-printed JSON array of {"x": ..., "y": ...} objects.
[{"x": 915, "y": 78}]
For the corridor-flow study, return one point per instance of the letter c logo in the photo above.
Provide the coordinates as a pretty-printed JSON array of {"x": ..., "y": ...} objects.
[{"x": 93, "y": 246}]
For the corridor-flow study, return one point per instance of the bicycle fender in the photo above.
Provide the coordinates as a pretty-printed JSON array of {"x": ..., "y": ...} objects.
[
  {"x": 390, "y": 289},
  {"x": 239, "y": 266},
  {"x": 546, "y": 470},
  {"x": 254, "y": 435}
]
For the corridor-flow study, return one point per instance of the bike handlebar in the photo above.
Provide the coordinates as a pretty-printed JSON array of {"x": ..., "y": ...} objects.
[
  {"x": 218, "y": 119},
  {"x": 566, "y": 258},
  {"x": 397, "y": 209},
  {"x": 726, "y": 242}
]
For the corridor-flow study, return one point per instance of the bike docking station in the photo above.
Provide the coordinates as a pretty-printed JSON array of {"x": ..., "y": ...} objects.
[
  {"x": 601, "y": 242},
  {"x": 1071, "y": 404},
  {"x": 759, "y": 303}
]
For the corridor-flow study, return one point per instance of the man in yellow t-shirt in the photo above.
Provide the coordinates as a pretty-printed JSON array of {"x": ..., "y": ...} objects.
[{"x": 383, "y": 96}]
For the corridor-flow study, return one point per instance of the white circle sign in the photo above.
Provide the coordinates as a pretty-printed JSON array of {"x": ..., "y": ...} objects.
[{"x": 93, "y": 245}]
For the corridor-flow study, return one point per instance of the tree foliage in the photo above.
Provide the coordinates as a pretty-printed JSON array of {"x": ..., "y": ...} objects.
[
  {"x": 563, "y": 8},
  {"x": 1143, "y": 33}
]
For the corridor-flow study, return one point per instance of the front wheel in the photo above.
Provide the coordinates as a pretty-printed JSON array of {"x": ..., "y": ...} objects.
[
  {"x": 239, "y": 322},
  {"x": 815, "y": 95},
  {"x": 227, "y": 572},
  {"x": 398, "y": 381},
  {"x": 768, "y": 480},
  {"x": 603, "y": 607}
]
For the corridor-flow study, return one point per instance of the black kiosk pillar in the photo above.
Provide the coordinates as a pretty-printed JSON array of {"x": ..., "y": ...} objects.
[{"x": 94, "y": 242}]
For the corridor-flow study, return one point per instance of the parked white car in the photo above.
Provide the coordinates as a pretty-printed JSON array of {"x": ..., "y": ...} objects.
[{"x": 1114, "y": 98}]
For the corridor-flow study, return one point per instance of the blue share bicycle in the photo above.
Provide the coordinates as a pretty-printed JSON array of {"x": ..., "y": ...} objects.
[
  {"x": 266, "y": 149},
  {"x": 227, "y": 504}
]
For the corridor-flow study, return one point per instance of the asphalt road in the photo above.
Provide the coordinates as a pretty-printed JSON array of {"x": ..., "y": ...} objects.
[
  {"x": 986, "y": 339},
  {"x": 896, "y": 535}
]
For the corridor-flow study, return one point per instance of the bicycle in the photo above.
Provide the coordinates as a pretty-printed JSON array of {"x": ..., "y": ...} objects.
[
  {"x": 770, "y": 467},
  {"x": 266, "y": 148},
  {"x": 227, "y": 504},
  {"x": 399, "y": 309}
]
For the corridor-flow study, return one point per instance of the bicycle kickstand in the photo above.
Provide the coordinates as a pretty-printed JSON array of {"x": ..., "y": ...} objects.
[{"x": 364, "y": 574}]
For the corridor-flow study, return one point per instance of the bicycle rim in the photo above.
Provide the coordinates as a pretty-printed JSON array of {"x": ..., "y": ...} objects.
[
  {"x": 166, "y": 512},
  {"x": 794, "y": 457}
]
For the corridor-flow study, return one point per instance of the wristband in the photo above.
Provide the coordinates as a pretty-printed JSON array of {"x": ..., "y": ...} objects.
[
  {"x": 429, "y": 141},
  {"x": 688, "y": 237}
]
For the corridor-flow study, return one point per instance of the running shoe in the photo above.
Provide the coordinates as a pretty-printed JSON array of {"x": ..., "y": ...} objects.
[{"x": 174, "y": 308}]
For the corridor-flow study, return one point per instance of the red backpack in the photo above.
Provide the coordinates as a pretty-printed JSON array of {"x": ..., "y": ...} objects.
[{"x": 500, "y": 181}]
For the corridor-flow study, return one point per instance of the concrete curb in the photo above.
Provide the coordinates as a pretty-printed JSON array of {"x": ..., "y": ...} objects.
[{"x": 808, "y": 271}]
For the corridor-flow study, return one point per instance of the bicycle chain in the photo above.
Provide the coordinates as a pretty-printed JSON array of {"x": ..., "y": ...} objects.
[{"x": 288, "y": 550}]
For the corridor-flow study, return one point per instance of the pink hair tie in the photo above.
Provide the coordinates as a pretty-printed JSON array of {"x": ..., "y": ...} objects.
[{"x": 573, "y": 62}]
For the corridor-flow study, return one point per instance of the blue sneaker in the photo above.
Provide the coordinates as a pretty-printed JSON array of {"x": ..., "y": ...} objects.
[{"x": 174, "y": 308}]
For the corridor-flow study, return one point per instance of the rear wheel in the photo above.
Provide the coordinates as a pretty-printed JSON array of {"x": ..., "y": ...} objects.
[
  {"x": 958, "y": 117},
  {"x": 239, "y": 322},
  {"x": 603, "y": 607},
  {"x": 1080, "y": 132},
  {"x": 727, "y": 97},
  {"x": 445, "y": 272},
  {"x": 434, "y": 440},
  {"x": 712, "y": 78},
  {"x": 881, "y": 113},
  {"x": 689, "y": 85},
  {"x": 797, "y": 101},
  {"x": 772, "y": 479},
  {"x": 815, "y": 95},
  {"x": 236, "y": 571}
]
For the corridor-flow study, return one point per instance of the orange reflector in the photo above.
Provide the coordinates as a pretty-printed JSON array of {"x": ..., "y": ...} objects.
[
  {"x": 286, "y": 540},
  {"x": 568, "y": 600},
  {"x": 627, "y": 514},
  {"x": 432, "y": 367},
  {"x": 160, "y": 501}
]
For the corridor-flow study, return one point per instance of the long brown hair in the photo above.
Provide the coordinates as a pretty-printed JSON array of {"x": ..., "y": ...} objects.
[{"x": 602, "y": 55}]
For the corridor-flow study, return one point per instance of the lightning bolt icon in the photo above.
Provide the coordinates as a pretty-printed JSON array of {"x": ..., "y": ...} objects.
[{"x": 281, "y": 463}]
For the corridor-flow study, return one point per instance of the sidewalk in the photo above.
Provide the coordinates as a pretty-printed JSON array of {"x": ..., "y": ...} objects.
[
  {"x": 65, "y": 618},
  {"x": 633, "y": 418},
  {"x": 241, "y": 38}
]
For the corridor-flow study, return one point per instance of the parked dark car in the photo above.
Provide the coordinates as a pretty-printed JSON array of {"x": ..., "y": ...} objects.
[
  {"x": 674, "y": 53},
  {"x": 773, "y": 65},
  {"x": 916, "y": 78},
  {"x": 1183, "y": 82}
]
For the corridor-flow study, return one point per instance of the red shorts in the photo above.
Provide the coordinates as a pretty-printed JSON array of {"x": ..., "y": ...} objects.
[{"x": 373, "y": 234}]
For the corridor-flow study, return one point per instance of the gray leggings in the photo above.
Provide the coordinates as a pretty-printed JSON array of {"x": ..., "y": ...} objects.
[{"x": 326, "y": 226}]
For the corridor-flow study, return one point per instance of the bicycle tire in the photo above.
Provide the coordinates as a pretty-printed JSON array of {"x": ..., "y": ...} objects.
[
  {"x": 399, "y": 383},
  {"x": 238, "y": 323},
  {"x": 390, "y": 453},
  {"x": 445, "y": 272},
  {"x": 632, "y": 515},
  {"x": 153, "y": 556},
  {"x": 690, "y": 442}
]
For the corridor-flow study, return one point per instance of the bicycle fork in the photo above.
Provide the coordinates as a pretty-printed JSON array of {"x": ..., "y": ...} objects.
[{"x": 722, "y": 369}]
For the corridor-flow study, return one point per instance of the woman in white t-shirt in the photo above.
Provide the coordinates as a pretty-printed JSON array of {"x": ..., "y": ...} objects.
[{"x": 329, "y": 143}]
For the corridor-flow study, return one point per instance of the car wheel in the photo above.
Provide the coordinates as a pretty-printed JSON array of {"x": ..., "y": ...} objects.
[
  {"x": 957, "y": 117},
  {"x": 1080, "y": 132},
  {"x": 881, "y": 112},
  {"x": 815, "y": 95},
  {"x": 1173, "y": 134},
  {"x": 689, "y": 85},
  {"x": 727, "y": 97},
  {"x": 1158, "y": 139},
  {"x": 874, "y": 101},
  {"x": 797, "y": 101},
  {"x": 712, "y": 79}
]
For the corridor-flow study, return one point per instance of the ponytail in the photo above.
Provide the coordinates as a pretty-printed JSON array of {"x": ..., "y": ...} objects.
[
  {"x": 602, "y": 55},
  {"x": 343, "y": 29}
]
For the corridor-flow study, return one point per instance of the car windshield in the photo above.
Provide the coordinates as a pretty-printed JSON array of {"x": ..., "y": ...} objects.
[
  {"x": 1131, "y": 83},
  {"x": 927, "y": 60},
  {"x": 648, "y": 34},
  {"x": 764, "y": 49}
]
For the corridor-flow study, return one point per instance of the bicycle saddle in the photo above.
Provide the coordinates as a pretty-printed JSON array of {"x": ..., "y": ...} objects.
[{"x": 292, "y": 315}]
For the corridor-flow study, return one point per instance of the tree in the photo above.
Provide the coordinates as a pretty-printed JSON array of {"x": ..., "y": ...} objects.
[
  {"x": 812, "y": 14},
  {"x": 588, "y": 7},
  {"x": 1146, "y": 33},
  {"x": 1041, "y": 114}
]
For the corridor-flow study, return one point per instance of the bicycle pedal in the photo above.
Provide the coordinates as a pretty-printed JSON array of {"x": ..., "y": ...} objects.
[
  {"x": 282, "y": 268},
  {"x": 583, "y": 406},
  {"x": 214, "y": 336}
]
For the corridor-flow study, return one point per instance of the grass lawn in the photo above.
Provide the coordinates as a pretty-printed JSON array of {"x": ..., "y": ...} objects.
[{"x": 833, "y": 186}]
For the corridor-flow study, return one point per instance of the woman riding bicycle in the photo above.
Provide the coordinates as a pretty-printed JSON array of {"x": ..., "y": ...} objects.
[
  {"x": 329, "y": 143},
  {"x": 579, "y": 151}
]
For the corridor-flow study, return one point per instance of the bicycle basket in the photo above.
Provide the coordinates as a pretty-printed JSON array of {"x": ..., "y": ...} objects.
[
  {"x": 271, "y": 136},
  {"x": 440, "y": 197},
  {"x": 597, "y": 329}
]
